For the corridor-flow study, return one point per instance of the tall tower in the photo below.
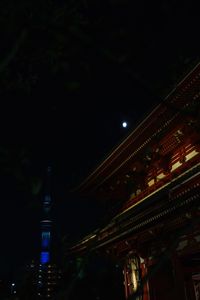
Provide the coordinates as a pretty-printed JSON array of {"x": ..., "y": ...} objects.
[
  {"x": 48, "y": 275},
  {"x": 46, "y": 223}
]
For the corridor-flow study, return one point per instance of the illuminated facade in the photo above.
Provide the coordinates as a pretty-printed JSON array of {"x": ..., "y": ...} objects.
[{"x": 152, "y": 181}]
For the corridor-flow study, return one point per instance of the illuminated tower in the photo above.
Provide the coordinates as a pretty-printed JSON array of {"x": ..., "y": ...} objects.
[
  {"x": 48, "y": 275},
  {"x": 46, "y": 223}
]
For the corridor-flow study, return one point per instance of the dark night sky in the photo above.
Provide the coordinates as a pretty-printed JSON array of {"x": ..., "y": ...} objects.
[
  {"x": 74, "y": 141},
  {"x": 76, "y": 130}
]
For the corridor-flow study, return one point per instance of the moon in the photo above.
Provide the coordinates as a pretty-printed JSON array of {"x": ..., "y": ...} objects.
[{"x": 124, "y": 124}]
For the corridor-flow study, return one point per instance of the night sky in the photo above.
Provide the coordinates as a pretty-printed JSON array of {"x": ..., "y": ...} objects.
[{"x": 135, "y": 55}]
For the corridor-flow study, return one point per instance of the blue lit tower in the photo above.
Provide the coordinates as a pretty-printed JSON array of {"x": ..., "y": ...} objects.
[
  {"x": 48, "y": 275},
  {"x": 46, "y": 223}
]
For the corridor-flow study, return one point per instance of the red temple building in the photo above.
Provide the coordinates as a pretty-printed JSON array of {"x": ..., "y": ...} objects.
[{"x": 153, "y": 178}]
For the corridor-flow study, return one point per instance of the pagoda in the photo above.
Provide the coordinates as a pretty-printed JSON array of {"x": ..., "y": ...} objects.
[{"x": 151, "y": 182}]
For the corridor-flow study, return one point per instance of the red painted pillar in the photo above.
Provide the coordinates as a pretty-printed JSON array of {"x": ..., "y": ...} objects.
[{"x": 146, "y": 295}]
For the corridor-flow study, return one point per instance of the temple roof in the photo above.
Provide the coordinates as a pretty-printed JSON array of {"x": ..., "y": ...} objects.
[{"x": 175, "y": 106}]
